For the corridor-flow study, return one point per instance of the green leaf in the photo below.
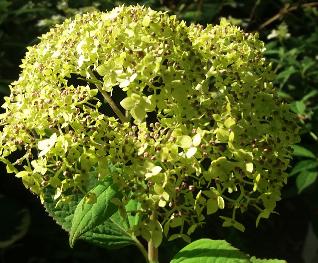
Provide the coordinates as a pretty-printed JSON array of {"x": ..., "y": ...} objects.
[
  {"x": 212, "y": 206},
  {"x": 229, "y": 122},
  {"x": 185, "y": 237},
  {"x": 230, "y": 222},
  {"x": 156, "y": 233},
  {"x": 222, "y": 134},
  {"x": 113, "y": 233},
  {"x": 305, "y": 179},
  {"x": 309, "y": 95},
  {"x": 87, "y": 216},
  {"x": 305, "y": 165},
  {"x": 302, "y": 152},
  {"x": 299, "y": 107},
  {"x": 210, "y": 251},
  {"x": 283, "y": 76},
  {"x": 284, "y": 95}
]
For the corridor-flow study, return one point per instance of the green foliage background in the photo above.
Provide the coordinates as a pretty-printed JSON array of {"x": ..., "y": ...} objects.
[{"x": 290, "y": 30}]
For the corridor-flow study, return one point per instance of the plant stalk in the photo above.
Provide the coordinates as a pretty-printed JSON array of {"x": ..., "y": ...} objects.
[
  {"x": 107, "y": 98},
  {"x": 152, "y": 253},
  {"x": 141, "y": 248},
  {"x": 152, "y": 250},
  {"x": 113, "y": 105}
]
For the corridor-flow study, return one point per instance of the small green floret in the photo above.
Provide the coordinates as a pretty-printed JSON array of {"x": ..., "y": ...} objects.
[{"x": 185, "y": 119}]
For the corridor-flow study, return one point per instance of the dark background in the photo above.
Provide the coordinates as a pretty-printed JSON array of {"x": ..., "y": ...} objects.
[{"x": 290, "y": 31}]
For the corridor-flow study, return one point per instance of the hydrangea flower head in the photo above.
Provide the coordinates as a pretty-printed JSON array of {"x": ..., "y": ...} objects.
[{"x": 183, "y": 119}]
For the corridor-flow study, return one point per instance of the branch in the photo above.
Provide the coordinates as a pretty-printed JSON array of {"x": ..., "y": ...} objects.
[{"x": 284, "y": 11}]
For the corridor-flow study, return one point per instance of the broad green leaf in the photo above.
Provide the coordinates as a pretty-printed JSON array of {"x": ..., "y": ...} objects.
[
  {"x": 113, "y": 233},
  {"x": 305, "y": 179},
  {"x": 210, "y": 251},
  {"x": 302, "y": 152},
  {"x": 87, "y": 216}
]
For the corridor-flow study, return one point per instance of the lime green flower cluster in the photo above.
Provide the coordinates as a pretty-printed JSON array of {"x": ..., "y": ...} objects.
[{"x": 184, "y": 119}]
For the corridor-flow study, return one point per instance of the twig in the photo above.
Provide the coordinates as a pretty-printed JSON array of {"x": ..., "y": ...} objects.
[
  {"x": 284, "y": 11},
  {"x": 253, "y": 11}
]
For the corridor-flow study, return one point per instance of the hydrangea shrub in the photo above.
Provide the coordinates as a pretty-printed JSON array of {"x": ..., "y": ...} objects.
[{"x": 182, "y": 121}]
